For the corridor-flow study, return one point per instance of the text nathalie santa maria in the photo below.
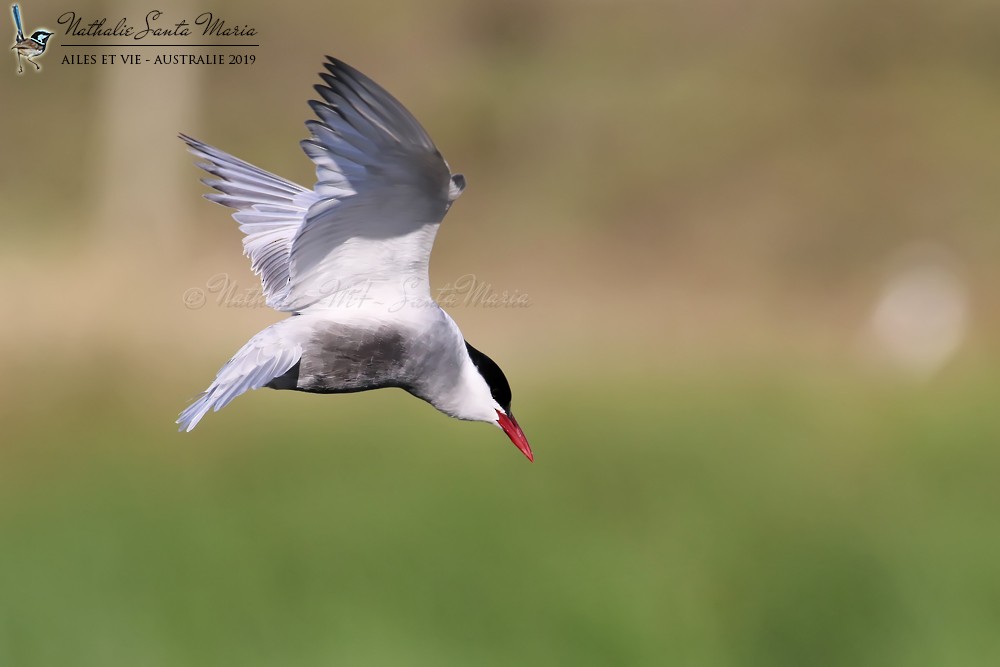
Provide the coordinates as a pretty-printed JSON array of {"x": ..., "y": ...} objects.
[{"x": 155, "y": 25}]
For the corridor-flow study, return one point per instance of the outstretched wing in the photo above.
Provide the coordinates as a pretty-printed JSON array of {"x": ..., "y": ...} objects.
[
  {"x": 383, "y": 189},
  {"x": 270, "y": 211}
]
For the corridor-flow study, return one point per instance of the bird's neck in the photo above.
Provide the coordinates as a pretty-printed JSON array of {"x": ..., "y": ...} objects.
[{"x": 461, "y": 392}]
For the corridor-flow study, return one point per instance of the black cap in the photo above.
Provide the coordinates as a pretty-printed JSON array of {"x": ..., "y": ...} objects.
[{"x": 497, "y": 381}]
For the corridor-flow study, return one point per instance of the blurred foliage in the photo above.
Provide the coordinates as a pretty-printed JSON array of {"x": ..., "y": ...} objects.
[
  {"x": 703, "y": 201},
  {"x": 762, "y": 518}
]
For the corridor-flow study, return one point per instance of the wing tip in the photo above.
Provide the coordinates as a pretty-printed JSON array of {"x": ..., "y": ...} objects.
[
  {"x": 192, "y": 143},
  {"x": 334, "y": 63}
]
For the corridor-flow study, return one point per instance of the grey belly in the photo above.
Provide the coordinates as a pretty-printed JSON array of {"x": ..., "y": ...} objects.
[{"x": 340, "y": 360}]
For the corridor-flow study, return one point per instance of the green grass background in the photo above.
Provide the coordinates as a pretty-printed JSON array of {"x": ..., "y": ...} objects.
[{"x": 762, "y": 518}]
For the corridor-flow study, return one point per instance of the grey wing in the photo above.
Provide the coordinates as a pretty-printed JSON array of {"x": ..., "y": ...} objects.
[
  {"x": 383, "y": 189},
  {"x": 270, "y": 211}
]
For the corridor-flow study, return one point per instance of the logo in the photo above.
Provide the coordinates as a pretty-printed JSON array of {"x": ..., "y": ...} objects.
[{"x": 28, "y": 48}]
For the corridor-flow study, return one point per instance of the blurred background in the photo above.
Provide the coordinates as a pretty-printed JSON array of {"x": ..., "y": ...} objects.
[{"x": 752, "y": 250}]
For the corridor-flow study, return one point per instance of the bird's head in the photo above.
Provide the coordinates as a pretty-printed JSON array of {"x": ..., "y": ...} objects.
[
  {"x": 495, "y": 408},
  {"x": 41, "y": 36}
]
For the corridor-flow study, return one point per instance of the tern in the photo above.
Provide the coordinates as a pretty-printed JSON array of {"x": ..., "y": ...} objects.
[{"x": 349, "y": 260}]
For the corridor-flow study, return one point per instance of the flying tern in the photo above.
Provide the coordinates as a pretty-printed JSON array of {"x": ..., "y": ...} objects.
[{"x": 349, "y": 260}]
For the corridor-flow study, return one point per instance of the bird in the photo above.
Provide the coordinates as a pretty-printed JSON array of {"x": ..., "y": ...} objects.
[
  {"x": 29, "y": 48},
  {"x": 349, "y": 260}
]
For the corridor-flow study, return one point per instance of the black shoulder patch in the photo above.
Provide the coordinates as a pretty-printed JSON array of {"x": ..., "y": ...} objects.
[{"x": 494, "y": 377}]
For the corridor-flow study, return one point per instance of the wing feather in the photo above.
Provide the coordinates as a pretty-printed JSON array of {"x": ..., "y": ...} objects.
[
  {"x": 269, "y": 209},
  {"x": 383, "y": 190}
]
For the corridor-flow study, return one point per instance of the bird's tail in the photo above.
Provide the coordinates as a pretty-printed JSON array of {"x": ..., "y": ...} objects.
[
  {"x": 266, "y": 356},
  {"x": 17, "y": 22}
]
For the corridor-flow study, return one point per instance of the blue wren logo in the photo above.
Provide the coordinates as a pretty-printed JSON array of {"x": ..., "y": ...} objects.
[{"x": 28, "y": 48}]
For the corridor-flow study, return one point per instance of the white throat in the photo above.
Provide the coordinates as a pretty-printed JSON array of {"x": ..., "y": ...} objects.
[{"x": 462, "y": 393}]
